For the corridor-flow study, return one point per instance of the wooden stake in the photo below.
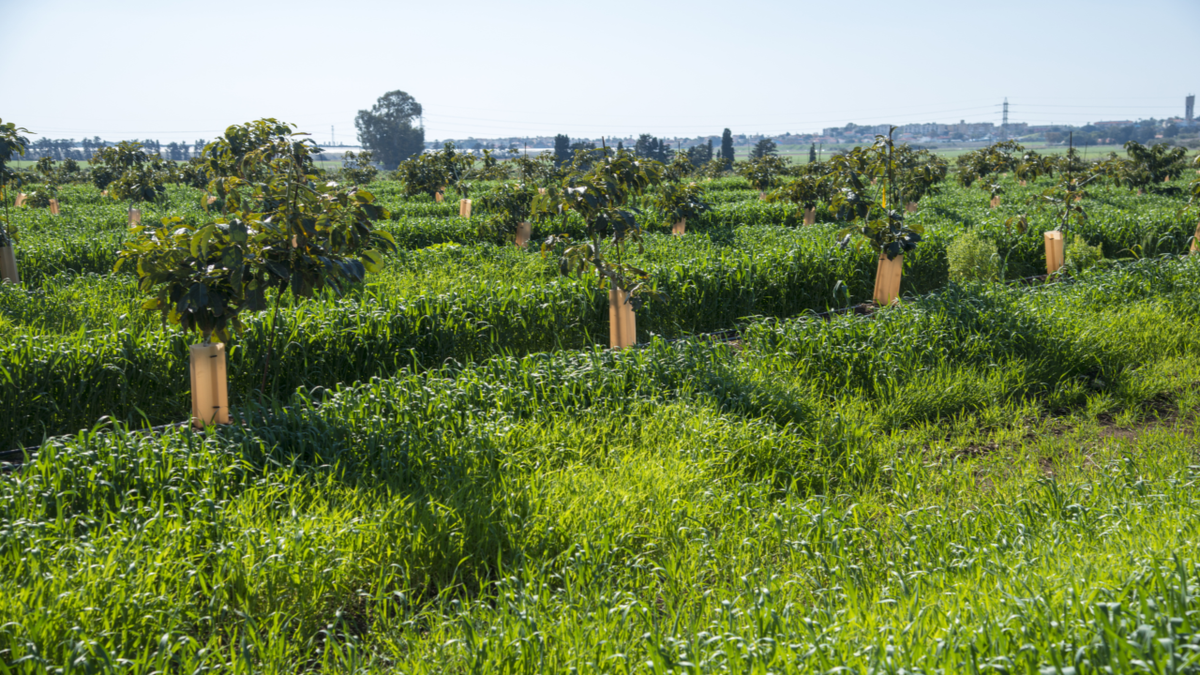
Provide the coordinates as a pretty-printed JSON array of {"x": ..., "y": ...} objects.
[
  {"x": 8, "y": 265},
  {"x": 1054, "y": 251},
  {"x": 524, "y": 230},
  {"x": 679, "y": 228},
  {"x": 210, "y": 386},
  {"x": 464, "y": 208},
  {"x": 810, "y": 216},
  {"x": 887, "y": 279},
  {"x": 622, "y": 324}
]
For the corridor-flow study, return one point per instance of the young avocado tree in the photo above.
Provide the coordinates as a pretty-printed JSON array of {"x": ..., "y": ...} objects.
[
  {"x": 509, "y": 207},
  {"x": 1000, "y": 157},
  {"x": 804, "y": 191},
  {"x": 919, "y": 173},
  {"x": 45, "y": 194},
  {"x": 12, "y": 145},
  {"x": 602, "y": 196},
  {"x": 422, "y": 174},
  {"x": 1033, "y": 166},
  {"x": 680, "y": 202},
  {"x": 278, "y": 229},
  {"x": 1065, "y": 197},
  {"x": 867, "y": 206},
  {"x": 457, "y": 169},
  {"x": 430, "y": 173},
  {"x": 1193, "y": 202},
  {"x": 714, "y": 168},
  {"x": 1149, "y": 167},
  {"x": 763, "y": 172},
  {"x": 359, "y": 168},
  {"x": 680, "y": 168},
  {"x": 492, "y": 168},
  {"x": 135, "y": 177}
]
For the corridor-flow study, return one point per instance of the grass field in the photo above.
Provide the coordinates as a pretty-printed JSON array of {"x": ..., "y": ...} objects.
[{"x": 450, "y": 473}]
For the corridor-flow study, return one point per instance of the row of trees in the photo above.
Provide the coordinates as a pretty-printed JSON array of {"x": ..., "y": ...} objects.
[{"x": 63, "y": 149}]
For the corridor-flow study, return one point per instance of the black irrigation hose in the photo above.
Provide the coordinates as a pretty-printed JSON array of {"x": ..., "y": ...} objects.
[{"x": 12, "y": 460}]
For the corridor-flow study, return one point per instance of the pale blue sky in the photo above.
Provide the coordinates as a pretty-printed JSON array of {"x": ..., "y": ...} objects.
[{"x": 185, "y": 70}]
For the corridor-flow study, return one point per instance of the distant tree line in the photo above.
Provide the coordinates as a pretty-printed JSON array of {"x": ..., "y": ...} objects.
[{"x": 62, "y": 149}]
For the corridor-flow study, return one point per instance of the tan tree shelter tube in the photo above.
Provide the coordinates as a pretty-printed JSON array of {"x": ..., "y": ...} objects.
[
  {"x": 887, "y": 279},
  {"x": 20, "y": 199},
  {"x": 464, "y": 208},
  {"x": 622, "y": 326},
  {"x": 679, "y": 228},
  {"x": 54, "y": 206},
  {"x": 524, "y": 231},
  {"x": 911, "y": 207},
  {"x": 8, "y": 265},
  {"x": 995, "y": 201},
  {"x": 135, "y": 216},
  {"x": 1195, "y": 239},
  {"x": 1054, "y": 251},
  {"x": 810, "y": 216},
  {"x": 210, "y": 386},
  {"x": 437, "y": 197}
]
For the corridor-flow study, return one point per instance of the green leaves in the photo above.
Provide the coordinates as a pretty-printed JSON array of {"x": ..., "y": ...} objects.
[
  {"x": 998, "y": 157},
  {"x": 12, "y": 143},
  {"x": 430, "y": 173},
  {"x": 507, "y": 205},
  {"x": 884, "y": 228},
  {"x": 763, "y": 171},
  {"x": 601, "y": 196},
  {"x": 805, "y": 191},
  {"x": 1148, "y": 167},
  {"x": 276, "y": 229},
  {"x": 680, "y": 201},
  {"x": 129, "y": 173}
]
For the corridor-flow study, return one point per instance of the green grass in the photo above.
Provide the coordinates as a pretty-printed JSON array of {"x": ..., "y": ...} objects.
[
  {"x": 78, "y": 348},
  {"x": 987, "y": 476},
  {"x": 451, "y": 474}
]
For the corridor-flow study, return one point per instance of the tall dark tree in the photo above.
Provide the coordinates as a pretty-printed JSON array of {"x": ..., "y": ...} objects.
[
  {"x": 652, "y": 148},
  {"x": 562, "y": 149},
  {"x": 699, "y": 155},
  {"x": 727, "y": 148},
  {"x": 387, "y": 129},
  {"x": 763, "y": 148},
  {"x": 812, "y": 153}
]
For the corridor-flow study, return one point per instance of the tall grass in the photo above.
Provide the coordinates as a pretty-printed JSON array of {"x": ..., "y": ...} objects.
[{"x": 983, "y": 478}]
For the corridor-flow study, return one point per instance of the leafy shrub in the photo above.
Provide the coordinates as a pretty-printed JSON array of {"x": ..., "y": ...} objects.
[{"x": 973, "y": 257}]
